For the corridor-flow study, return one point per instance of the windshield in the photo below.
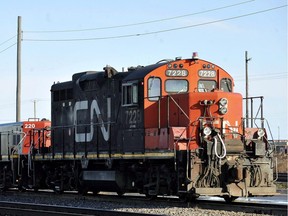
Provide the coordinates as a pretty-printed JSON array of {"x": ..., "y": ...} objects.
[
  {"x": 176, "y": 86},
  {"x": 206, "y": 85}
]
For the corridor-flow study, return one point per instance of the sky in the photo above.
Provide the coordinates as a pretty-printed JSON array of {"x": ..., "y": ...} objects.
[{"x": 64, "y": 37}]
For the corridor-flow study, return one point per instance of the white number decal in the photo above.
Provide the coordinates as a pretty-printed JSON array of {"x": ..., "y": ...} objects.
[
  {"x": 207, "y": 73},
  {"x": 29, "y": 126},
  {"x": 176, "y": 73},
  {"x": 132, "y": 117}
]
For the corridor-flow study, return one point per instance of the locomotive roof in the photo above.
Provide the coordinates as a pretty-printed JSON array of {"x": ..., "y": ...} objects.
[
  {"x": 141, "y": 72},
  {"x": 11, "y": 124},
  {"x": 136, "y": 73},
  {"x": 60, "y": 86}
]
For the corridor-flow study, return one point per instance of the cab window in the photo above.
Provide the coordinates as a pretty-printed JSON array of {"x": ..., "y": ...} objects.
[
  {"x": 226, "y": 85},
  {"x": 176, "y": 86},
  {"x": 129, "y": 94},
  {"x": 154, "y": 88},
  {"x": 206, "y": 85}
]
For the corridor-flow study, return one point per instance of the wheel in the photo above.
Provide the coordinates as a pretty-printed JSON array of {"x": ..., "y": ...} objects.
[
  {"x": 120, "y": 193},
  {"x": 21, "y": 188},
  {"x": 58, "y": 189},
  {"x": 83, "y": 190},
  {"x": 230, "y": 199},
  {"x": 188, "y": 197},
  {"x": 151, "y": 197},
  {"x": 3, "y": 188},
  {"x": 95, "y": 192},
  {"x": 183, "y": 197}
]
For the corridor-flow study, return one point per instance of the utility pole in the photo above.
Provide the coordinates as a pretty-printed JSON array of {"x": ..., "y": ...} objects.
[
  {"x": 246, "y": 76},
  {"x": 18, "y": 87}
]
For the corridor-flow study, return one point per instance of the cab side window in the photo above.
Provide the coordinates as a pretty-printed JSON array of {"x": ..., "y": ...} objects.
[
  {"x": 129, "y": 94},
  {"x": 154, "y": 88},
  {"x": 226, "y": 85}
]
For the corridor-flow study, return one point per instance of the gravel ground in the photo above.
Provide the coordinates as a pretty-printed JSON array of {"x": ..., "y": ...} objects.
[{"x": 141, "y": 207}]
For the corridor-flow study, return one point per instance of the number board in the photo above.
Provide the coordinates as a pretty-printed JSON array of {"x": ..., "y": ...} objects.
[
  {"x": 207, "y": 73},
  {"x": 176, "y": 73}
]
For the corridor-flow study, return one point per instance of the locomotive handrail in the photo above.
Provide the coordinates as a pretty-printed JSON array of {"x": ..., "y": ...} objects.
[
  {"x": 73, "y": 128},
  {"x": 164, "y": 60},
  {"x": 15, "y": 150},
  {"x": 87, "y": 124},
  {"x": 251, "y": 99},
  {"x": 262, "y": 126},
  {"x": 179, "y": 108}
]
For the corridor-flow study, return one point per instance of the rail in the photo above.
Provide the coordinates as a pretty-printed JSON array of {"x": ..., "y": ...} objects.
[
  {"x": 163, "y": 204},
  {"x": 31, "y": 209}
]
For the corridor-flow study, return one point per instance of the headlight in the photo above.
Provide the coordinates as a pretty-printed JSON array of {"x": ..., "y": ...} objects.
[
  {"x": 223, "y": 110},
  {"x": 207, "y": 131},
  {"x": 223, "y": 106},
  {"x": 223, "y": 102}
]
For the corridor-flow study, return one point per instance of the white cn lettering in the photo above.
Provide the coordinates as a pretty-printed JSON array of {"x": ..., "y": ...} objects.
[
  {"x": 83, "y": 105},
  {"x": 234, "y": 129}
]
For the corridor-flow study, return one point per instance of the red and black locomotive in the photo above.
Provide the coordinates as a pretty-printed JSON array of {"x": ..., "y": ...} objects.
[{"x": 172, "y": 128}]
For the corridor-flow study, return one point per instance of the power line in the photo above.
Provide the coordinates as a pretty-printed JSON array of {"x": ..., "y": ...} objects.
[
  {"x": 8, "y": 40},
  {"x": 261, "y": 77},
  {"x": 265, "y": 75},
  {"x": 160, "y": 31},
  {"x": 8, "y": 47},
  {"x": 140, "y": 23}
]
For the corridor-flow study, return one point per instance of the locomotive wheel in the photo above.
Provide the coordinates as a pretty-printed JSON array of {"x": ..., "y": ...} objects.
[
  {"x": 183, "y": 197},
  {"x": 95, "y": 192},
  {"x": 5, "y": 180},
  {"x": 188, "y": 197},
  {"x": 58, "y": 190},
  {"x": 150, "y": 197},
  {"x": 2, "y": 188},
  {"x": 21, "y": 188},
  {"x": 120, "y": 193},
  {"x": 83, "y": 190},
  {"x": 230, "y": 199}
]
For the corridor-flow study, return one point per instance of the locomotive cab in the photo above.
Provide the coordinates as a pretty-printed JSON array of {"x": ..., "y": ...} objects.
[{"x": 198, "y": 117}]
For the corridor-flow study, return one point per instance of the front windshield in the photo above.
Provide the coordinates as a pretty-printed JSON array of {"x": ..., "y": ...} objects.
[
  {"x": 176, "y": 86},
  {"x": 206, "y": 85}
]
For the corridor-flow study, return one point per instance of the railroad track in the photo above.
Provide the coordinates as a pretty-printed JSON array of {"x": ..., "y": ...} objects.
[
  {"x": 29, "y": 209},
  {"x": 252, "y": 208},
  {"x": 115, "y": 202}
]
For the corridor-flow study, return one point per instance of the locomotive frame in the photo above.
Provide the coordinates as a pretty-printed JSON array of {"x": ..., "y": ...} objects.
[{"x": 171, "y": 128}]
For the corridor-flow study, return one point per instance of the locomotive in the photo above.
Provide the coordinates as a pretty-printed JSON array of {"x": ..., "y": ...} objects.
[{"x": 171, "y": 128}]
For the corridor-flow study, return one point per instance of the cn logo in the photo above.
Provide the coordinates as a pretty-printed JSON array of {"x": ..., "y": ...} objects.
[
  {"x": 83, "y": 105},
  {"x": 233, "y": 129}
]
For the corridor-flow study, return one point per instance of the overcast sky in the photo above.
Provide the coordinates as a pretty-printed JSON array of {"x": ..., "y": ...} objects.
[{"x": 64, "y": 37}]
